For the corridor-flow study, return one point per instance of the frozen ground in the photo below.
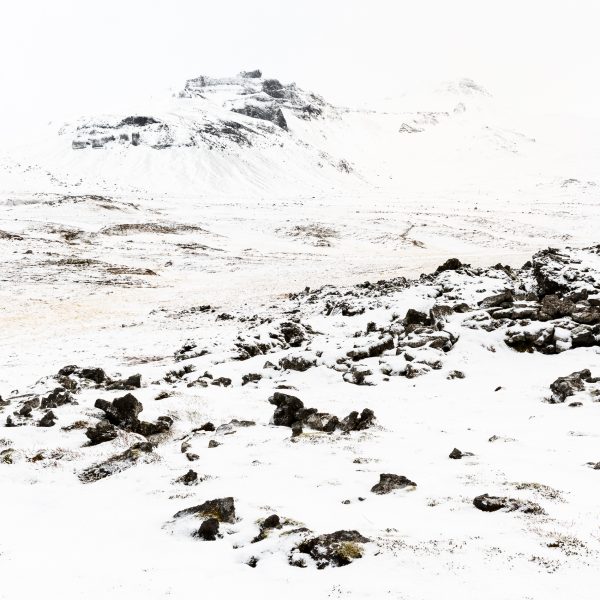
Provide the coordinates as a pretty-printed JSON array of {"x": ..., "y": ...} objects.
[{"x": 115, "y": 256}]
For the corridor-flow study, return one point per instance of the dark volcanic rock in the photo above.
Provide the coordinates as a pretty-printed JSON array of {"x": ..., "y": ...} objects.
[
  {"x": 505, "y": 297},
  {"x": 251, "y": 378},
  {"x": 563, "y": 387},
  {"x": 554, "y": 307},
  {"x": 190, "y": 478},
  {"x": 57, "y": 397},
  {"x": 356, "y": 422},
  {"x": 95, "y": 374},
  {"x": 271, "y": 522},
  {"x": 415, "y": 317},
  {"x": 488, "y": 503},
  {"x": 287, "y": 406},
  {"x": 48, "y": 420},
  {"x": 103, "y": 431},
  {"x": 388, "y": 482},
  {"x": 293, "y": 333},
  {"x": 296, "y": 363},
  {"x": 337, "y": 549},
  {"x": 123, "y": 412},
  {"x": 208, "y": 530},
  {"x": 456, "y": 454},
  {"x": 132, "y": 382},
  {"x": 452, "y": 264},
  {"x": 222, "y": 509}
]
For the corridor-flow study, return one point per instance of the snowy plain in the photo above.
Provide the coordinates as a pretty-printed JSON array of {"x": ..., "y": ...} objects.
[{"x": 117, "y": 256}]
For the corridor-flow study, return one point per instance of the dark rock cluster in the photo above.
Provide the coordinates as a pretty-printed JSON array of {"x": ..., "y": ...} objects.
[{"x": 290, "y": 412}]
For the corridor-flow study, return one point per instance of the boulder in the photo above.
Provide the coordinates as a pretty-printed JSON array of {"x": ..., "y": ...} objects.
[
  {"x": 487, "y": 503},
  {"x": 221, "y": 509},
  {"x": 564, "y": 387},
  {"x": 336, "y": 549},
  {"x": 208, "y": 530},
  {"x": 103, "y": 431},
  {"x": 388, "y": 482}
]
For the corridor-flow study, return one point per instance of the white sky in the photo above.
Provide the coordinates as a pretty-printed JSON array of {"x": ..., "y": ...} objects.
[{"x": 60, "y": 55}]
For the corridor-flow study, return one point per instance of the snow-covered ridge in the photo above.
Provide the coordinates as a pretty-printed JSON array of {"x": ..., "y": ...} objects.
[{"x": 260, "y": 102}]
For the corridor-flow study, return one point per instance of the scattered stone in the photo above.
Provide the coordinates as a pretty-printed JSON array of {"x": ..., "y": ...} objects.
[
  {"x": 213, "y": 444},
  {"x": 103, "y": 431},
  {"x": 191, "y": 456},
  {"x": 388, "y": 482},
  {"x": 336, "y": 549},
  {"x": 48, "y": 420},
  {"x": 356, "y": 422},
  {"x": 456, "y": 454},
  {"x": 271, "y": 522},
  {"x": 190, "y": 478},
  {"x": 123, "y": 413},
  {"x": 208, "y": 530},
  {"x": 563, "y": 387},
  {"x": 452, "y": 264},
  {"x": 251, "y": 378},
  {"x": 358, "y": 375},
  {"x": 456, "y": 375},
  {"x": 287, "y": 407},
  {"x": 488, "y": 503},
  {"x": 132, "y": 382},
  {"x": 296, "y": 363}
]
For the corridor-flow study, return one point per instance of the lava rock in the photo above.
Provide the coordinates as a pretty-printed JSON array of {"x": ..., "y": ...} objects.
[
  {"x": 287, "y": 406},
  {"x": 356, "y": 422},
  {"x": 48, "y": 420},
  {"x": 190, "y": 478},
  {"x": 57, "y": 397},
  {"x": 293, "y": 333},
  {"x": 505, "y": 297},
  {"x": 208, "y": 530},
  {"x": 564, "y": 387},
  {"x": 415, "y": 317},
  {"x": 251, "y": 378},
  {"x": 452, "y": 264},
  {"x": 271, "y": 522},
  {"x": 487, "y": 503},
  {"x": 554, "y": 307},
  {"x": 103, "y": 431},
  {"x": 132, "y": 382},
  {"x": 456, "y": 454},
  {"x": 388, "y": 482},
  {"x": 95, "y": 374},
  {"x": 221, "y": 509},
  {"x": 296, "y": 363},
  {"x": 337, "y": 549}
]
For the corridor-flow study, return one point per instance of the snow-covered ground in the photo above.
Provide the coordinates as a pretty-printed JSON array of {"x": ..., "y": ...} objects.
[{"x": 196, "y": 254}]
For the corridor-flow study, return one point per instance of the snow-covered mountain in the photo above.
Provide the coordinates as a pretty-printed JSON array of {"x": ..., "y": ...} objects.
[{"x": 253, "y": 135}]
